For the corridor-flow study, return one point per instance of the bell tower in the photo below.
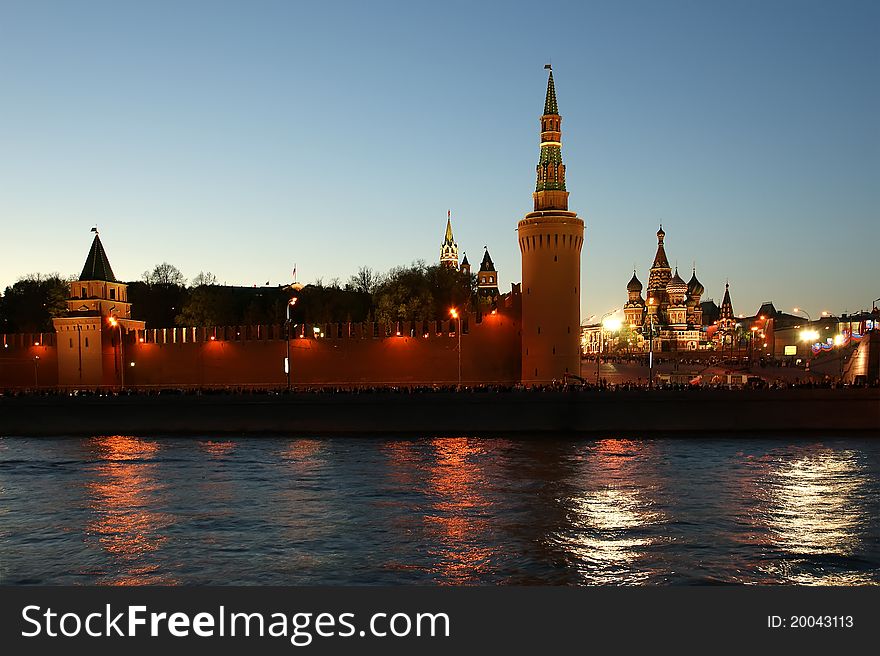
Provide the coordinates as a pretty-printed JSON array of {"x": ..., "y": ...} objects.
[{"x": 550, "y": 241}]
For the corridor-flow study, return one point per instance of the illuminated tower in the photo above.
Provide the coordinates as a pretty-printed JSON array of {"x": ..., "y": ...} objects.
[
  {"x": 726, "y": 320},
  {"x": 550, "y": 240},
  {"x": 634, "y": 309},
  {"x": 487, "y": 281},
  {"x": 449, "y": 249},
  {"x": 658, "y": 278},
  {"x": 91, "y": 344},
  {"x": 695, "y": 291}
]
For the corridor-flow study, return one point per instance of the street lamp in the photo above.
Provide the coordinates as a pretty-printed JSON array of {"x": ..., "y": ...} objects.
[
  {"x": 290, "y": 304},
  {"x": 121, "y": 367},
  {"x": 802, "y": 311},
  {"x": 455, "y": 315},
  {"x": 754, "y": 330}
]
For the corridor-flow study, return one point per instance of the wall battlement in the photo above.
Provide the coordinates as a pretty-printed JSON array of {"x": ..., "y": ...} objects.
[{"x": 340, "y": 354}]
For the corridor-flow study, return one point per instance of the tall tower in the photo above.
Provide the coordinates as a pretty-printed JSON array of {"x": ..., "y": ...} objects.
[
  {"x": 449, "y": 249},
  {"x": 550, "y": 241},
  {"x": 91, "y": 337}
]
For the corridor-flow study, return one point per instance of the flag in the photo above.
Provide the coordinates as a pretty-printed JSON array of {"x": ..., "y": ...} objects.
[
  {"x": 548, "y": 67},
  {"x": 95, "y": 229}
]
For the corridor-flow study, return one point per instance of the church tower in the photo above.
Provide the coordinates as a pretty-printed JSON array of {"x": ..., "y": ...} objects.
[
  {"x": 658, "y": 279},
  {"x": 91, "y": 336},
  {"x": 449, "y": 249},
  {"x": 550, "y": 241}
]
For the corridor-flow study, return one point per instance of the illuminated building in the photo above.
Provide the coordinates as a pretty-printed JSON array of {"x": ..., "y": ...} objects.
[
  {"x": 90, "y": 338},
  {"x": 671, "y": 306},
  {"x": 487, "y": 282},
  {"x": 449, "y": 249},
  {"x": 550, "y": 241}
]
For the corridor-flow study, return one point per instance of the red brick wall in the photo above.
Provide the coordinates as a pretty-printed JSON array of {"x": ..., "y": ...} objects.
[
  {"x": 17, "y": 353},
  {"x": 254, "y": 356}
]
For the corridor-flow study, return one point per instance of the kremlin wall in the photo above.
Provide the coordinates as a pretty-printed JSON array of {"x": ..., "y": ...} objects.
[{"x": 530, "y": 335}]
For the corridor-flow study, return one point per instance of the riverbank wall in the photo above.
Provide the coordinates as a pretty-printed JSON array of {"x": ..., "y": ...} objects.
[{"x": 621, "y": 413}]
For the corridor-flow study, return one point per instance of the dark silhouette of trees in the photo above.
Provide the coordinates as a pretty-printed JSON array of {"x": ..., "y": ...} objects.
[
  {"x": 29, "y": 305},
  {"x": 162, "y": 299}
]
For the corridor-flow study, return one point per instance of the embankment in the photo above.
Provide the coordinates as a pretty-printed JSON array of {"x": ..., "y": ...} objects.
[{"x": 633, "y": 413}]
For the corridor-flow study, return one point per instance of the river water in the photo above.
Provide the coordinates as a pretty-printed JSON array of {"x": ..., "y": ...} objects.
[{"x": 125, "y": 510}]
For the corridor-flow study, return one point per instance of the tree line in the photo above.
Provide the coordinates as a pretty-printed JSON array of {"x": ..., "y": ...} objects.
[{"x": 164, "y": 298}]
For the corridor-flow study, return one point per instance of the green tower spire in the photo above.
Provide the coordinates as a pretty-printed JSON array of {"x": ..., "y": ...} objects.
[
  {"x": 550, "y": 106},
  {"x": 551, "y": 170}
]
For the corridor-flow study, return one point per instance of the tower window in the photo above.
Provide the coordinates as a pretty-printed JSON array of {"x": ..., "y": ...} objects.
[
  {"x": 112, "y": 294},
  {"x": 71, "y": 342},
  {"x": 539, "y": 330},
  {"x": 87, "y": 342},
  {"x": 84, "y": 292}
]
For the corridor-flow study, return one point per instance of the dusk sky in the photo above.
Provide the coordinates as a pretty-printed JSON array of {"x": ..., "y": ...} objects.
[{"x": 242, "y": 138}]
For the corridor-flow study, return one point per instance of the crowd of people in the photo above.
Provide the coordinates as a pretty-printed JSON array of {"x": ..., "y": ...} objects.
[{"x": 603, "y": 385}]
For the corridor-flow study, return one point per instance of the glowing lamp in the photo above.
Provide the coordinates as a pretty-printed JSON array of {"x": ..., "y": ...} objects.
[
  {"x": 611, "y": 324},
  {"x": 838, "y": 340},
  {"x": 809, "y": 335}
]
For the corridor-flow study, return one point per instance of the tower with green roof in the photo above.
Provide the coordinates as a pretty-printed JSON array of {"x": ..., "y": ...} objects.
[{"x": 550, "y": 241}]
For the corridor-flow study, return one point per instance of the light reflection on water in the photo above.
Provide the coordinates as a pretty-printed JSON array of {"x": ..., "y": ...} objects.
[
  {"x": 125, "y": 510},
  {"x": 816, "y": 512},
  {"x": 607, "y": 532},
  {"x": 126, "y": 500}
]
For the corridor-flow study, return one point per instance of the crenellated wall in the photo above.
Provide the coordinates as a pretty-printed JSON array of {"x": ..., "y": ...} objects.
[
  {"x": 28, "y": 360},
  {"x": 408, "y": 353}
]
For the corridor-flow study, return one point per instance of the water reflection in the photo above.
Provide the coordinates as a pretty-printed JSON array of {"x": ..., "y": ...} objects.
[
  {"x": 217, "y": 448},
  {"x": 124, "y": 498},
  {"x": 815, "y": 517},
  {"x": 610, "y": 521},
  {"x": 458, "y": 521}
]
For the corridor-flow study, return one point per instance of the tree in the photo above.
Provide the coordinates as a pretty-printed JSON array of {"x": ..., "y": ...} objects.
[
  {"x": 161, "y": 295},
  {"x": 164, "y": 274},
  {"x": 29, "y": 305},
  {"x": 205, "y": 278},
  {"x": 364, "y": 281}
]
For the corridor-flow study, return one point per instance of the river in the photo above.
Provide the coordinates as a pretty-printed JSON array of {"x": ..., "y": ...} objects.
[{"x": 459, "y": 511}]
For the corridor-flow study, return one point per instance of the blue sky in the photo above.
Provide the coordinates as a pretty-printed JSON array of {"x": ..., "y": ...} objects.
[{"x": 243, "y": 137}]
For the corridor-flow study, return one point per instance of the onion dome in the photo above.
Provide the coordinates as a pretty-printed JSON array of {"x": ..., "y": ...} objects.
[
  {"x": 676, "y": 285},
  {"x": 694, "y": 286},
  {"x": 634, "y": 285}
]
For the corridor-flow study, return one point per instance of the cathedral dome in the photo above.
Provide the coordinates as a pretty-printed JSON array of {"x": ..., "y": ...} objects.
[
  {"x": 676, "y": 285},
  {"x": 634, "y": 285},
  {"x": 694, "y": 286}
]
